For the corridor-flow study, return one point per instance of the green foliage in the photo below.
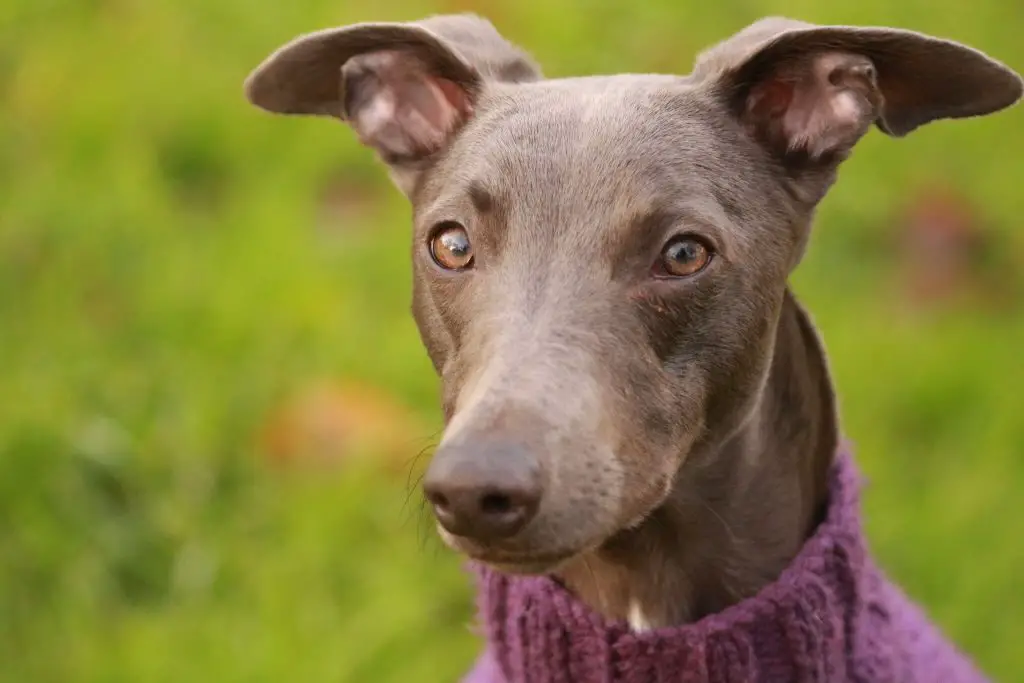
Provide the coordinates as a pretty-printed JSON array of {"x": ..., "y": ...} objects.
[{"x": 173, "y": 263}]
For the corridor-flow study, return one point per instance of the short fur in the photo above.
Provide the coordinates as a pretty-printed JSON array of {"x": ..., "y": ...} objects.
[{"x": 663, "y": 443}]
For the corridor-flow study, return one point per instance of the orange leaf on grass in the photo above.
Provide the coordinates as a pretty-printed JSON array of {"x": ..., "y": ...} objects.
[{"x": 329, "y": 423}]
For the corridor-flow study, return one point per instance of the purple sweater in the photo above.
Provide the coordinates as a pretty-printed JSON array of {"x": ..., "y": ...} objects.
[{"x": 831, "y": 617}]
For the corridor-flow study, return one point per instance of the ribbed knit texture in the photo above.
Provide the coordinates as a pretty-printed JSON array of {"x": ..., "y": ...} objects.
[{"x": 831, "y": 617}]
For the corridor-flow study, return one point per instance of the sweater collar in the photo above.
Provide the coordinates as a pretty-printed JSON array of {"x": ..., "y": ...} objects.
[{"x": 797, "y": 628}]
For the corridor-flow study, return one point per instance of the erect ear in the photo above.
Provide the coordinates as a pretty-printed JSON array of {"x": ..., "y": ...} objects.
[
  {"x": 810, "y": 92},
  {"x": 405, "y": 88}
]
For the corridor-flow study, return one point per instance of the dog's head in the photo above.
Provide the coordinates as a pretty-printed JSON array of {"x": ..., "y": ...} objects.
[{"x": 600, "y": 262}]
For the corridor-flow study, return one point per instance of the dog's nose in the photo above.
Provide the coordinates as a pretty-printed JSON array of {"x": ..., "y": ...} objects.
[{"x": 485, "y": 491}]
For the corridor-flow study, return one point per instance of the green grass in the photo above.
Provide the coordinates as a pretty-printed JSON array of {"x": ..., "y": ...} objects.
[{"x": 173, "y": 264}]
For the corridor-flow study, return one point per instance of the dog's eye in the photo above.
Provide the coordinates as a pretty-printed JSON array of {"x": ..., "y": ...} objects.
[
  {"x": 682, "y": 257},
  {"x": 450, "y": 247}
]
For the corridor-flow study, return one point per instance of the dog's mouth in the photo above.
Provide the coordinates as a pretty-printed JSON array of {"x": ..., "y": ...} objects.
[
  {"x": 526, "y": 556},
  {"x": 538, "y": 563},
  {"x": 509, "y": 562}
]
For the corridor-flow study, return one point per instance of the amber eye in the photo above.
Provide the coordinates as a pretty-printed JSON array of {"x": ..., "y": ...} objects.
[
  {"x": 450, "y": 247},
  {"x": 682, "y": 256}
]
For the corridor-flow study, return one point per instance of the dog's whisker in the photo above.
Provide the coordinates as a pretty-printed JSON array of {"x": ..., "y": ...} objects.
[
  {"x": 725, "y": 525},
  {"x": 598, "y": 588},
  {"x": 425, "y": 526},
  {"x": 414, "y": 474},
  {"x": 412, "y": 489},
  {"x": 414, "y": 461}
]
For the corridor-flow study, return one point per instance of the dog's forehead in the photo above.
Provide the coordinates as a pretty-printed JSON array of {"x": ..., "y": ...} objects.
[
  {"x": 639, "y": 134},
  {"x": 599, "y": 152}
]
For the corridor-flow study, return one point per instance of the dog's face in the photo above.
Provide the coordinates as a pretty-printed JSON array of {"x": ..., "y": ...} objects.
[
  {"x": 615, "y": 299},
  {"x": 600, "y": 262}
]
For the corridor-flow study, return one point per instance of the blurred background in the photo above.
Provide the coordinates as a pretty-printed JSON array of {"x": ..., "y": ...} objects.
[{"x": 213, "y": 398}]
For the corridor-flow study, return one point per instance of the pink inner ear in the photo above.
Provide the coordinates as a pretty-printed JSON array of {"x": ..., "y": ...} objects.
[
  {"x": 403, "y": 110},
  {"x": 817, "y": 105},
  {"x": 770, "y": 99}
]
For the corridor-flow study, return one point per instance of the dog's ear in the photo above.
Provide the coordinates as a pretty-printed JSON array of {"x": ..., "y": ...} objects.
[
  {"x": 808, "y": 92},
  {"x": 405, "y": 88}
]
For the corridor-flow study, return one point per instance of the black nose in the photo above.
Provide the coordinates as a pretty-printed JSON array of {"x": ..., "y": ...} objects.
[{"x": 483, "y": 491}]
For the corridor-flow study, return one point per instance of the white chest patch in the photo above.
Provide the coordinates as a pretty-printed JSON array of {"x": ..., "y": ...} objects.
[{"x": 637, "y": 621}]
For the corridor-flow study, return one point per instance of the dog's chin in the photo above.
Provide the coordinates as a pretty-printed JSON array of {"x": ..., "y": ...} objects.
[
  {"x": 525, "y": 562},
  {"x": 527, "y": 567}
]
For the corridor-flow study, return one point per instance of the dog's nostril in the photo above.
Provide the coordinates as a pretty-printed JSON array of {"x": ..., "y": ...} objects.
[
  {"x": 485, "y": 495},
  {"x": 484, "y": 513},
  {"x": 495, "y": 504}
]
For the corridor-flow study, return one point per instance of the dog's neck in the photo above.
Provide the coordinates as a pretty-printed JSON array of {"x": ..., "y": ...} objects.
[{"x": 737, "y": 515}]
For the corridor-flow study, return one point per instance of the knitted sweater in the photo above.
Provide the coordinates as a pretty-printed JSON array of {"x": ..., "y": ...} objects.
[{"x": 831, "y": 617}]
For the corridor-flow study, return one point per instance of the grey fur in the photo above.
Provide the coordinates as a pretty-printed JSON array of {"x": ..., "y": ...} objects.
[{"x": 670, "y": 437}]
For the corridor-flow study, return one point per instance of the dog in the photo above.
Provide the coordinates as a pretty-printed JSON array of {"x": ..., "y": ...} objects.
[{"x": 641, "y": 437}]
